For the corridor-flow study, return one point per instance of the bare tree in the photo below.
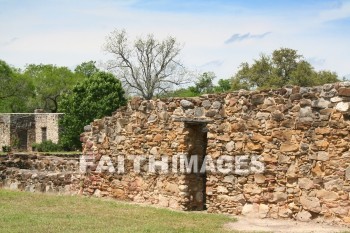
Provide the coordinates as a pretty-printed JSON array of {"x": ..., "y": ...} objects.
[{"x": 147, "y": 66}]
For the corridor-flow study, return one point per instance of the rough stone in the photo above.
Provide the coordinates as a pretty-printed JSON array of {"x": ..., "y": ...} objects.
[
  {"x": 347, "y": 173},
  {"x": 263, "y": 210},
  {"x": 284, "y": 212},
  {"x": 288, "y": 147},
  {"x": 216, "y": 105},
  {"x": 311, "y": 203},
  {"x": 257, "y": 99},
  {"x": 304, "y": 216},
  {"x": 344, "y": 91},
  {"x": 259, "y": 178},
  {"x": 230, "y": 146},
  {"x": 186, "y": 104},
  {"x": 336, "y": 99},
  {"x": 305, "y": 183},
  {"x": 206, "y": 104},
  {"x": 342, "y": 106},
  {"x": 322, "y": 156},
  {"x": 305, "y": 112},
  {"x": 327, "y": 195},
  {"x": 320, "y": 103}
]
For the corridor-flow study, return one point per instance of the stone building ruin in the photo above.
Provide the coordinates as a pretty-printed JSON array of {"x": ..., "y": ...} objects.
[
  {"x": 301, "y": 135},
  {"x": 21, "y": 130}
]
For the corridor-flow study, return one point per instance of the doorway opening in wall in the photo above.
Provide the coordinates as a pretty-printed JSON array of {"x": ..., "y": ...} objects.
[
  {"x": 43, "y": 134},
  {"x": 196, "y": 141},
  {"x": 22, "y": 139}
]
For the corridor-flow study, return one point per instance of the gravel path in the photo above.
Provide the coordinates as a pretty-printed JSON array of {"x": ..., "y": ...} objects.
[{"x": 283, "y": 226}]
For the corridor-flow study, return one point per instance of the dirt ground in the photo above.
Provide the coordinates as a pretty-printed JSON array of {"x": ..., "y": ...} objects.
[{"x": 246, "y": 224}]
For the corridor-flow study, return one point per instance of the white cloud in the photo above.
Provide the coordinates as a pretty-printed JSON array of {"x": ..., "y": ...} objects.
[
  {"x": 247, "y": 36},
  {"x": 340, "y": 12}
]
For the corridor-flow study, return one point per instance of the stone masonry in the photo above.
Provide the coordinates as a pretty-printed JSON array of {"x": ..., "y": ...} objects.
[
  {"x": 21, "y": 130},
  {"x": 300, "y": 135},
  {"x": 40, "y": 173}
]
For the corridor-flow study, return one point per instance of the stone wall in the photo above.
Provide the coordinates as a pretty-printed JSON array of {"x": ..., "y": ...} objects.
[
  {"x": 34, "y": 173},
  {"x": 300, "y": 135},
  {"x": 51, "y": 123},
  {"x": 4, "y": 131}
]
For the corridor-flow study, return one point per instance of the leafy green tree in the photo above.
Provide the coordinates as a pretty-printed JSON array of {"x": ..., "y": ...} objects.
[
  {"x": 325, "y": 76},
  {"x": 285, "y": 61},
  {"x": 95, "y": 97},
  {"x": 303, "y": 75},
  {"x": 204, "y": 83},
  {"x": 16, "y": 90},
  {"x": 50, "y": 83},
  {"x": 87, "y": 69},
  {"x": 284, "y": 67},
  {"x": 223, "y": 85}
]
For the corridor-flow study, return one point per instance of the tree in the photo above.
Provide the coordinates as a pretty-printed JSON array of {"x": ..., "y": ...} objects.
[
  {"x": 204, "y": 83},
  {"x": 94, "y": 97},
  {"x": 16, "y": 90},
  {"x": 148, "y": 67},
  {"x": 284, "y": 67},
  {"x": 87, "y": 69},
  {"x": 285, "y": 61},
  {"x": 303, "y": 75},
  {"x": 223, "y": 85},
  {"x": 50, "y": 83}
]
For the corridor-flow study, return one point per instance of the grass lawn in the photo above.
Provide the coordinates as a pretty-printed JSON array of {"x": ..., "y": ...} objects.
[{"x": 28, "y": 212}]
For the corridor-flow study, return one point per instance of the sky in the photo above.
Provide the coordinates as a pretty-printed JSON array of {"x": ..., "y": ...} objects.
[{"x": 215, "y": 36}]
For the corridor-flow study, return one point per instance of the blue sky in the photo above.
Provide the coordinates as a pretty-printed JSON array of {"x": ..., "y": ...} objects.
[{"x": 216, "y": 35}]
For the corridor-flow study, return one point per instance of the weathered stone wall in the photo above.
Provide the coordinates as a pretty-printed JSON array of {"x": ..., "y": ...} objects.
[
  {"x": 34, "y": 173},
  {"x": 299, "y": 134},
  {"x": 4, "y": 130},
  {"x": 21, "y": 130},
  {"x": 51, "y": 123}
]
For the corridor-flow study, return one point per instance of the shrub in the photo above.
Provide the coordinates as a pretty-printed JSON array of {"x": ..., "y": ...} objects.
[
  {"x": 95, "y": 97},
  {"x": 47, "y": 146},
  {"x": 6, "y": 148}
]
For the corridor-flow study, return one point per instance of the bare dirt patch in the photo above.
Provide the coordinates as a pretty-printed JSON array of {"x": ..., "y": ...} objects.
[{"x": 245, "y": 224}]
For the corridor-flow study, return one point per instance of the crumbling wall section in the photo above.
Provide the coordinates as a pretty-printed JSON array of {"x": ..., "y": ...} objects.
[{"x": 40, "y": 173}]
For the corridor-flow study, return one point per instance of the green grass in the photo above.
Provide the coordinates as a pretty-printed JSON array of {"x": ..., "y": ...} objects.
[
  {"x": 28, "y": 212},
  {"x": 60, "y": 153}
]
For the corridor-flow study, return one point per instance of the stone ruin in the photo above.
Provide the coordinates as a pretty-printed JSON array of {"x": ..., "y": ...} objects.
[
  {"x": 21, "y": 130},
  {"x": 300, "y": 135}
]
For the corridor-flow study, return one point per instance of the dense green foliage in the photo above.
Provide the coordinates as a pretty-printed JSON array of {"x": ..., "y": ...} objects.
[
  {"x": 6, "y": 148},
  {"x": 203, "y": 85},
  {"x": 50, "y": 83},
  {"x": 37, "y": 86},
  {"x": 95, "y": 97},
  {"x": 16, "y": 89},
  {"x": 47, "y": 146},
  {"x": 285, "y": 66},
  {"x": 86, "y": 69}
]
